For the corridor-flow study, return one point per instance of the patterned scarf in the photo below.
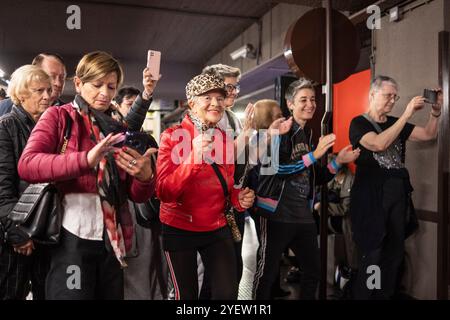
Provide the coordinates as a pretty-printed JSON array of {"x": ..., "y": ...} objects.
[
  {"x": 198, "y": 124},
  {"x": 116, "y": 216}
]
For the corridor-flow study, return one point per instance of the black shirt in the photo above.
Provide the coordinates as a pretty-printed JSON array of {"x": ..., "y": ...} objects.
[
  {"x": 294, "y": 204},
  {"x": 367, "y": 213},
  {"x": 367, "y": 159}
]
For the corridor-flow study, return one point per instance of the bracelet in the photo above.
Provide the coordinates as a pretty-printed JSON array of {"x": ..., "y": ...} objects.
[{"x": 436, "y": 116}]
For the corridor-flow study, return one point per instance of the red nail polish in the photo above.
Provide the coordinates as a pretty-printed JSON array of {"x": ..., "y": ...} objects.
[{"x": 124, "y": 148}]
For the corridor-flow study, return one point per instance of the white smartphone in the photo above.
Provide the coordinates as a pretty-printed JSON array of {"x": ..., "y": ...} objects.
[{"x": 153, "y": 63}]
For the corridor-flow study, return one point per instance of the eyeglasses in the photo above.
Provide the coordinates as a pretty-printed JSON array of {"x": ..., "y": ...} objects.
[
  {"x": 230, "y": 87},
  {"x": 389, "y": 96}
]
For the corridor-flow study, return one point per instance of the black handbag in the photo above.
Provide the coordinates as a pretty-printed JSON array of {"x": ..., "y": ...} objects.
[
  {"x": 38, "y": 213},
  {"x": 147, "y": 213}
]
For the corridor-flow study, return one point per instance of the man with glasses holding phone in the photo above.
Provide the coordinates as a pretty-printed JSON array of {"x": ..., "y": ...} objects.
[{"x": 381, "y": 209}]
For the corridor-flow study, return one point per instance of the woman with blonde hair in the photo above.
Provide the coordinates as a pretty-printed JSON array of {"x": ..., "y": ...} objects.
[
  {"x": 95, "y": 180},
  {"x": 21, "y": 260}
]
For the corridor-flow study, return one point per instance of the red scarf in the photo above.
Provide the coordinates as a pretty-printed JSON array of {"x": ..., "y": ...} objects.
[{"x": 109, "y": 186}]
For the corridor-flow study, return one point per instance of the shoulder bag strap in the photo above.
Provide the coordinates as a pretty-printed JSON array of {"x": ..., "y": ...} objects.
[
  {"x": 372, "y": 122},
  {"x": 229, "y": 214},
  {"x": 67, "y": 133},
  {"x": 221, "y": 179},
  {"x": 390, "y": 151}
]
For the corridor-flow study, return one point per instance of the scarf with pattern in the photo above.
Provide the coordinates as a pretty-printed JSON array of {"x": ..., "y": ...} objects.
[
  {"x": 116, "y": 215},
  {"x": 198, "y": 124}
]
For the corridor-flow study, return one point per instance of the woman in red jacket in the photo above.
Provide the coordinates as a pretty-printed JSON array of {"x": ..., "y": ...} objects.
[
  {"x": 95, "y": 181},
  {"x": 192, "y": 197}
]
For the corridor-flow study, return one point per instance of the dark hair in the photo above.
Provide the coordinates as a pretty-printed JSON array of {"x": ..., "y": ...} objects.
[
  {"x": 37, "y": 61},
  {"x": 2, "y": 93},
  {"x": 124, "y": 92},
  {"x": 296, "y": 86}
]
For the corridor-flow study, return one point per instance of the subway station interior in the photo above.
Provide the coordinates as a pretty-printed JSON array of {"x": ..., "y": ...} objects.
[{"x": 341, "y": 45}]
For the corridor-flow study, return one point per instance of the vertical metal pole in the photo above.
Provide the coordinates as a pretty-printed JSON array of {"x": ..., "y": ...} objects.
[
  {"x": 325, "y": 130},
  {"x": 443, "y": 169},
  {"x": 329, "y": 58}
]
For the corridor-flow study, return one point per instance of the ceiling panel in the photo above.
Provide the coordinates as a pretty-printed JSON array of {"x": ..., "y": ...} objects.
[{"x": 187, "y": 32}]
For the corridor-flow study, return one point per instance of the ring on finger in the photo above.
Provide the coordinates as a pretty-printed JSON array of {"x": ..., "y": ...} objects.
[{"x": 130, "y": 165}]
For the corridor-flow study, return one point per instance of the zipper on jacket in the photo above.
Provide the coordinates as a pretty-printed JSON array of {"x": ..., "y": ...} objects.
[
  {"x": 281, "y": 193},
  {"x": 189, "y": 216},
  {"x": 313, "y": 170}
]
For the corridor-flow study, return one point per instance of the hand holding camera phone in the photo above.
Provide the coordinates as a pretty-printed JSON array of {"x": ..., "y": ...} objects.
[{"x": 430, "y": 96}]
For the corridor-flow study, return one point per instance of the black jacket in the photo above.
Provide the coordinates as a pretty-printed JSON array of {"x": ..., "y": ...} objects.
[
  {"x": 293, "y": 148},
  {"x": 7, "y": 104},
  {"x": 136, "y": 116},
  {"x": 15, "y": 129}
]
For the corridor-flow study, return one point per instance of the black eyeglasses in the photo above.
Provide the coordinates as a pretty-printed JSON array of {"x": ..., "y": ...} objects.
[{"x": 230, "y": 87}]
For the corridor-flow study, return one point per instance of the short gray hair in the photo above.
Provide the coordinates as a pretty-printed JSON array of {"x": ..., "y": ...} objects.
[
  {"x": 22, "y": 78},
  {"x": 296, "y": 86},
  {"x": 223, "y": 70},
  {"x": 378, "y": 81}
]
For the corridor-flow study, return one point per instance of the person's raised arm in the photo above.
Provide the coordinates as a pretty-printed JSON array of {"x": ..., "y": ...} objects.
[{"x": 381, "y": 141}]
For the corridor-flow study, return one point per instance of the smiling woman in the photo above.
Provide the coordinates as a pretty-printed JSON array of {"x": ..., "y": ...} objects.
[{"x": 192, "y": 194}]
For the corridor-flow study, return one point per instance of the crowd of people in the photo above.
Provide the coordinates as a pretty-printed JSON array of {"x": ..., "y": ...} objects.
[{"x": 142, "y": 221}]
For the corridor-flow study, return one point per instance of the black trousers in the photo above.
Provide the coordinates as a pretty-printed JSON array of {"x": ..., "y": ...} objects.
[
  {"x": 20, "y": 274},
  {"x": 219, "y": 259},
  {"x": 205, "y": 292},
  {"x": 83, "y": 270},
  {"x": 275, "y": 237},
  {"x": 388, "y": 258}
]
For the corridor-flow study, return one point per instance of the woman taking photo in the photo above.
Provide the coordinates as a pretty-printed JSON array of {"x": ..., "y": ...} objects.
[
  {"x": 193, "y": 201},
  {"x": 95, "y": 180},
  {"x": 21, "y": 260}
]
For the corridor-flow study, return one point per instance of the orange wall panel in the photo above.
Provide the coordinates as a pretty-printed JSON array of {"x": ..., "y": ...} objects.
[{"x": 350, "y": 99}]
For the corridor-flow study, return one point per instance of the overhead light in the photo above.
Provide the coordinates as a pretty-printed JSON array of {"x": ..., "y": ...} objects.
[
  {"x": 394, "y": 14},
  {"x": 246, "y": 51}
]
